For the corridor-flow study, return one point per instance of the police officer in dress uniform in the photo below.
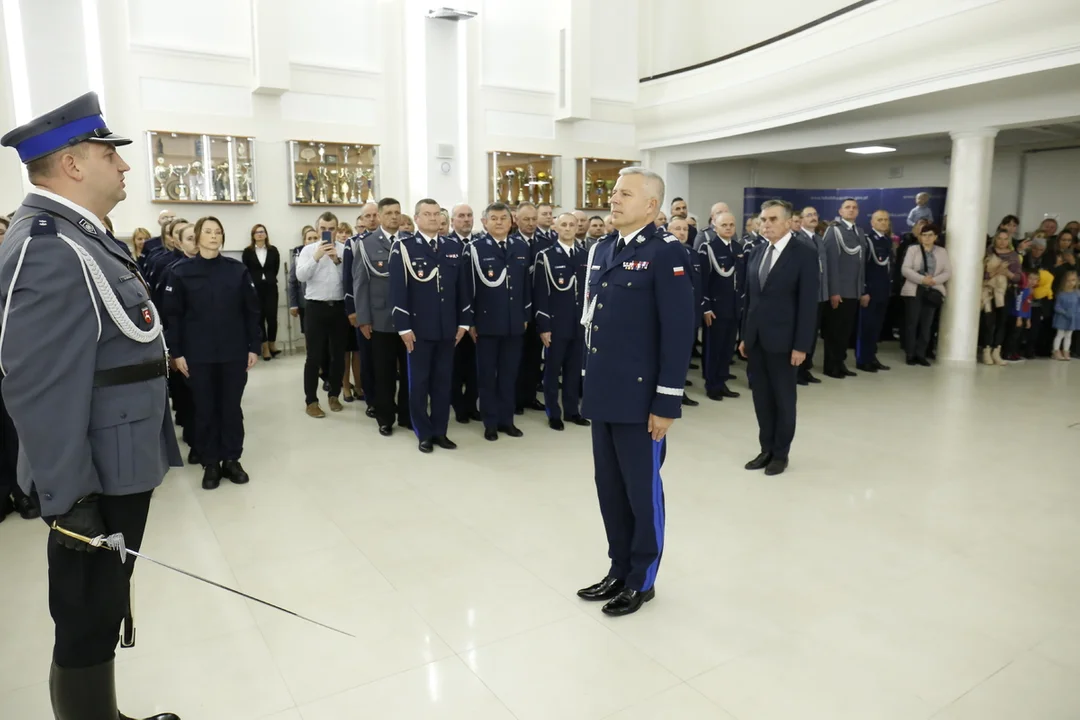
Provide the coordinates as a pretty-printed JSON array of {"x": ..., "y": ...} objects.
[
  {"x": 532, "y": 350},
  {"x": 845, "y": 252},
  {"x": 464, "y": 394},
  {"x": 680, "y": 228},
  {"x": 350, "y": 266},
  {"x": 432, "y": 311},
  {"x": 558, "y": 292},
  {"x": 179, "y": 389},
  {"x": 807, "y": 232},
  {"x": 214, "y": 334},
  {"x": 501, "y": 301},
  {"x": 638, "y": 332},
  {"x": 84, "y": 365},
  {"x": 879, "y": 262},
  {"x": 371, "y": 293},
  {"x": 723, "y": 276}
]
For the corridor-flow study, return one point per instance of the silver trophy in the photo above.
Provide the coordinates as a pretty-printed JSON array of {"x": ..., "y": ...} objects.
[
  {"x": 161, "y": 178},
  {"x": 345, "y": 154},
  {"x": 322, "y": 154},
  {"x": 244, "y": 183},
  {"x": 181, "y": 172},
  {"x": 198, "y": 183},
  {"x": 221, "y": 182},
  {"x": 335, "y": 186},
  {"x": 532, "y": 184},
  {"x": 509, "y": 175},
  {"x": 324, "y": 185}
]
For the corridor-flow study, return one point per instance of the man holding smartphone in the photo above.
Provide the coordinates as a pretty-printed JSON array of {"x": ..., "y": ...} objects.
[{"x": 326, "y": 327}]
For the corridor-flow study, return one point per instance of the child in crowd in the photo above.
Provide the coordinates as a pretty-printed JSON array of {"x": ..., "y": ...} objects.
[
  {"x": 920, "y": 211},
  {"x": 1066, "y": 316},
  {"x": 1021, "y": 335},
  {"x": 1042, "y": 304}
]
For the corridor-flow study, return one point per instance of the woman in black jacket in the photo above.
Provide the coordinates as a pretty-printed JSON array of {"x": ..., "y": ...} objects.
[{"x": 263, "y": 262}]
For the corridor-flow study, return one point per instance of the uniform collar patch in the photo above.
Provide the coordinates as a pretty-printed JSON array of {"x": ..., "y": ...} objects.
[{"x": 87, "y": 226}]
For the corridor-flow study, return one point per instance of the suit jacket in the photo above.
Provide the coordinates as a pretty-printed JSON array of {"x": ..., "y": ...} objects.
[
  {"x": 782, "y": 315},
  {"x": 264, "y": 276},
  {"x": 76, "y": 439}
]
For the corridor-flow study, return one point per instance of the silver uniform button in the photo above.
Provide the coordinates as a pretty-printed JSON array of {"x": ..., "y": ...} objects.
[
  {"x": 629, "y": 284},
  {"x": 639, "y": 379},
  {"x": 603, "y": 285},
  {"x": 594, "y": 351}
]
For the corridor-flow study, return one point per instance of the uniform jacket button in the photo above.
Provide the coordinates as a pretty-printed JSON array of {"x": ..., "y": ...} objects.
[
  {"x": 595, "y": 327},
  {"x": 603, "y": 285},
  {"x": 600, "y": 306},
  {"x": 594, "y": 351},
  {"x": 639, "y": 380},
  {"x": 123, "y": 416},
  {"x": 48, "y": 496}
]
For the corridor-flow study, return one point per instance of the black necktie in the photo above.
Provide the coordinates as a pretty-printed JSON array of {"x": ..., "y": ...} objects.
[
  {"x": 766, "y": 266},
  {"x": 434, "y": 246},
  {"x": 620, "y": 245},
  {"x": 502, "y": 245}
]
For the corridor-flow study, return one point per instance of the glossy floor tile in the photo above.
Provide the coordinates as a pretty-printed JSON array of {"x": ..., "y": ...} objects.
[{"x": 917, "y": 561}]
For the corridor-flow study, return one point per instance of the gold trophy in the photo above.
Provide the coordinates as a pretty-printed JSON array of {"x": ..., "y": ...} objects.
[
  {"x": 335, "y": 195},
  {"x": 542, "y": 179},
  {"x": 324, "y": 182},
  {"x": 520, "y": 174},
  {"x": 532, "y": 184},
  {"x": 298, "y": 182},
  {"x": 609, "y": 186},
  {"x": 161, "y": 177},
  {"x": 244, "y": 183},
  {"x": 588, "y": 189},
  {"x": 509, "y": 175},
  {"x": 348, "y": 185}
]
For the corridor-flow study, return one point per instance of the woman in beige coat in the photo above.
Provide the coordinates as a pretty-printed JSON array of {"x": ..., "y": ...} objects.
[{"x": 926, "y": 270}]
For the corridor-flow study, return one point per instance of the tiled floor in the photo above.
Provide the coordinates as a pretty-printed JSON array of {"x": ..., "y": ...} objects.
[{"x": 918, "y": 560}]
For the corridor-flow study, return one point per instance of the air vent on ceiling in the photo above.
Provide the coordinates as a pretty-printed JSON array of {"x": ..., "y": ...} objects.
[{"x": 896, "y": 171}]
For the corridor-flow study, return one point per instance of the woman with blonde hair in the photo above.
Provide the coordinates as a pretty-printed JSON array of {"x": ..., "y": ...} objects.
[{"x": 138, "y": 240}]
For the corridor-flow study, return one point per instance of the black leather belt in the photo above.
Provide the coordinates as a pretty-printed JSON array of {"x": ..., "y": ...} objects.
[{"x": 130, "y": 374}]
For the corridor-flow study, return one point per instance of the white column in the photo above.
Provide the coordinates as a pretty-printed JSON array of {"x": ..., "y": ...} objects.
[
  {"x": 966, "y": 207},
  {"x": 573, "y": 96}
]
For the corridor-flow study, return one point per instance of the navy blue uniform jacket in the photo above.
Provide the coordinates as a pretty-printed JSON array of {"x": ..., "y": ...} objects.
[
  {"x": 723, "y": 275},
  {"x": 559, "y": 290},
  {"x": 504, "y": 309},
  {"x": 212, "y": 310},
  {"x": 429, "y": 290},
  {"x": 781, "y": 317},
  {"x": 640, "y": 330}
]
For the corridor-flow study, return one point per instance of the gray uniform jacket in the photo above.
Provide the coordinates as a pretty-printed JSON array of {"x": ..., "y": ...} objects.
[
  {"x": 818, "y": 243},
  {"x": 371, "y": 281},
  {"x": 705, "y": 236},
  {"x": 76, "y": 439},
  {"x": 845, "y": 269}
]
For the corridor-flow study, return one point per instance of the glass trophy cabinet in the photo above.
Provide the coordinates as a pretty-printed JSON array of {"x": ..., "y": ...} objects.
[
  {"x": 596, "y": 179},
  {"x": 517, "y": 177},
  {"x": 194, "y": 168},
  {"x": 330, "y": 173}
]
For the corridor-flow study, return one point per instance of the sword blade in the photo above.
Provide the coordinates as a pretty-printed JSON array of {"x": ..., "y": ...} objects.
[{"x": 192, "y": 575}]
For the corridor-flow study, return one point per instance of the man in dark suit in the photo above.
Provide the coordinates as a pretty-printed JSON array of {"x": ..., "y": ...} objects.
[{"x": 778, "y": 330}]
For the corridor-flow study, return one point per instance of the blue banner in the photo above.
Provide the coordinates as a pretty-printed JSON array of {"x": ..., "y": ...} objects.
[{"x": 897, "y": 201}]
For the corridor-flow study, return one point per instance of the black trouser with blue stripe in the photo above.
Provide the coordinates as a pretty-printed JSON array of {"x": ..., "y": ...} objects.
[
  {"x": 719, "y": 346},
  {"x": 627, "y": 465},
  {"x": 563, "y": 359},
  {"x": 431, "y": 369},
  {"x": 871, "y": 320}
]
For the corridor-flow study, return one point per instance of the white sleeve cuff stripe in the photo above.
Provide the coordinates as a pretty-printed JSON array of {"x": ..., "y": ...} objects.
[
  {"x": 677, "y": 392},
  {"x": 400, "y": 310}
]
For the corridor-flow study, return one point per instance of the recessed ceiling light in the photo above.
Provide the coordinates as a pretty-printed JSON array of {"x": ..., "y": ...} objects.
[{"x": 871, "y": 150}]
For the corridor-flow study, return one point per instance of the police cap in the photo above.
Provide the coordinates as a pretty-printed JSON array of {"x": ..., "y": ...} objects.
[{"x": 78, "y": 121}]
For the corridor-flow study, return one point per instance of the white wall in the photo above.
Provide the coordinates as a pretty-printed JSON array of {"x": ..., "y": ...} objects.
[
  {"x": 210, "y": 26},
  {"x": 1050, "y": 187},
  {"x": 726, "y": 180},
  {"x": 687, "y": 32}
]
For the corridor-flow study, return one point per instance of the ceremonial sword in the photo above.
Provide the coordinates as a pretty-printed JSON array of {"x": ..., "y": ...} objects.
[{"x": 115, "y": 542}]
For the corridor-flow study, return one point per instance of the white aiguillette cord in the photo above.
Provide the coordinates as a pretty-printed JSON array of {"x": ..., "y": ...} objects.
[{"x": 116, "y": 543}]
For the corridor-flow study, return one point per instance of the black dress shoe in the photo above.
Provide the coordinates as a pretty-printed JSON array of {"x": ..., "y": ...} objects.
[
  {"x": 848, "y": 373},
  {"x": 836, "y": 375},
  {"x": 193, "y": 457},
  {"x": 730, "y": 377},
  {"x": 519, "y": 410},
  {"x": 234, "y": 471},
  {"x": 326, "y": 386},
  {"x": 724, "y": 392},
  {"x": 511, "y": 430},
  {"x": 426, "y": 446},
  {"x": 88, "y": 692},
  {"x": 628, "y": 601},
  {"x": 922, "y": 361},
  {"x": 211, "y": 477},
  {"x": 688, "y": 384},
  {"x": 879, "y": 366},
  {"x": 28, "y": 507},
  {"x": 535, "y": 405},
  {"x": 606, "y": 589},
  {"x": 475, "y": 415},
  {"x": 462, "y": 418},
  {"x": 370, "y": 412},
  {"x": 688, "y": 401},
  {"x": 162, "y": 716},
  {"x": 759, "y": 462},
  {"x": 275, "y": 353},
  {"x": 911, "y": 361},
  {"x": 444, "y": 442},
  {"x": 386, "y": 430},
  {"x": 491, "y": 434},
  {"x": 555, "y": 424},
  {"x": 579, "y": 420},
  {"x": 812, "y": 380},
  {"x": 695, "y": 366},
  {"x": 405, "y": 424},
  {"x": 776, "y": 466},
  {"x": 714, "y": 395},
  {"x": 866, "y": 368},
  {"x": 802, "y": 381}
]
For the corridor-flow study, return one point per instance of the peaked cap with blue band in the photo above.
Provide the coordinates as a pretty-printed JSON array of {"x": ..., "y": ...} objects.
[{"x": 78, "y": 121}]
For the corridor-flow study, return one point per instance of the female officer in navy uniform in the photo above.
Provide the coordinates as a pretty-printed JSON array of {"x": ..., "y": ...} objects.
[{"x": 213, "y": 333}]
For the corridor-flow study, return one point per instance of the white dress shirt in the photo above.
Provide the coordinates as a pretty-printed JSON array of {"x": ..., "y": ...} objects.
[
  {"x": 90, "y": 217},
  {"x": 322, "y": 278},
  {"x": 778, "y": 249},
  {"x": 260, "y": 252}
]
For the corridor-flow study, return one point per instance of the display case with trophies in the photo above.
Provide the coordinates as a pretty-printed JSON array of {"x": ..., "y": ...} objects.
[
  {"x": 192, "y": 168},
  {"x": 596, "y": 179},
  {"x": 517, "y": 177},
  {"x": 331, "y": 173}
]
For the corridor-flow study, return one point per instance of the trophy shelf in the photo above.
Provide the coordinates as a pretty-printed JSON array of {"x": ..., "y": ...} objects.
[
  {"x": 201, "y": 169},
  {"x": 332, "y": 174},
  {"x": 520, "y": 177},
  {"x": 596, "y": 179}
]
